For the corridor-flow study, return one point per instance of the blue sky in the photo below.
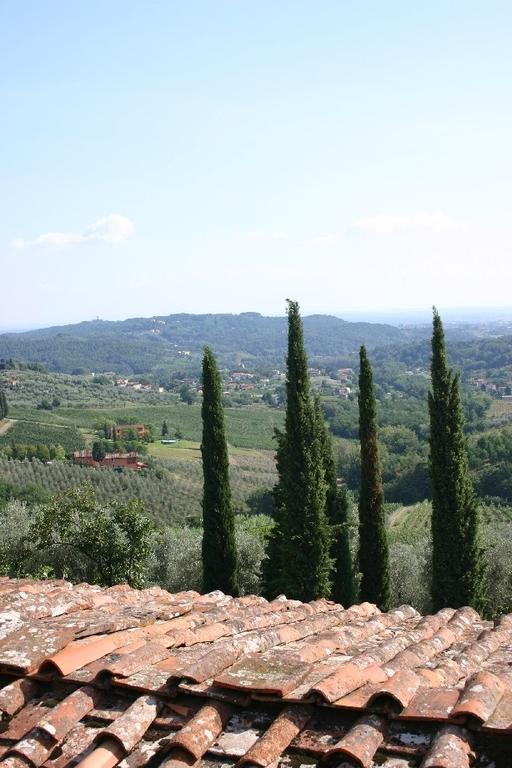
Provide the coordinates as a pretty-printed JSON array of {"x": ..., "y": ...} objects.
[{"x": 205, "y": 156}]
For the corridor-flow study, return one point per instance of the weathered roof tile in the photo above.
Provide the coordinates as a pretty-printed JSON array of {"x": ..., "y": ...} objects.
[{"x": 97, "y": 677}]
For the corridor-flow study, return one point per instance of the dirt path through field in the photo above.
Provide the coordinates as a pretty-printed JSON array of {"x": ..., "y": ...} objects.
[{"x": 5, "y": 425}]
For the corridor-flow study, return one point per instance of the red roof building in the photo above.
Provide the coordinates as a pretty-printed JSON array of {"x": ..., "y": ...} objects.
[
  {"x": 97, "y": 678},
  {"x": 111, "y": 460}
]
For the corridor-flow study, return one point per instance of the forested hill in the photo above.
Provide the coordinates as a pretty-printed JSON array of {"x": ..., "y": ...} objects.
[
  {"x": 141, "y": 344},
  {"x": 491, "y": 356}
]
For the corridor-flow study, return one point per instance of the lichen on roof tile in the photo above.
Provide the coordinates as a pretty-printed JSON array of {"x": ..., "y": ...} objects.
[{"x": 188, "y": 681}]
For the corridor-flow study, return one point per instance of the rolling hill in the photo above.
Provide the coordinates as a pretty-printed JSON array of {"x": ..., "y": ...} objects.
[{"x": 139, "y": 345}]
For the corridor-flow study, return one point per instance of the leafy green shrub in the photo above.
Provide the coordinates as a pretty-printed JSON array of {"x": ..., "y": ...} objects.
[
  {"x": 177, "y": 555},
  {"x": 105, "y": 544},
  {"x": 19, "y": 554},
  {"x": 410, "y": 572},
  {"x": 498, "y": 554}
]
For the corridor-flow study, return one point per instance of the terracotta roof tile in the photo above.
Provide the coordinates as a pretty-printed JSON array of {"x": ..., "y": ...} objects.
[
  {"x": 130, "y": 727},
  {"x": 23, "y": 651},
  {"x": 100, "y": 677},
  {"x": 362, "y": 741},
  {"x": 451, "y": 749},
  {"x": 15, "y": 695},
  {"x": 480, "y": 697},
  {"x": 278, "y": 737},
  {"x": 269, "y": 672},
  {"x": 106, "y": 755},
  {"x": 202, "y": 731}
]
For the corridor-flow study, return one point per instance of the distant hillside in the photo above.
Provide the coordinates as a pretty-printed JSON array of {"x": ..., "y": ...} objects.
[
  {"x": 490, "y": 356},
  {"x": 140, "y": 345}
]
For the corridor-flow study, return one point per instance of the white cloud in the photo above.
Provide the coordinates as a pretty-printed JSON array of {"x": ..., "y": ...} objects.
[
  {"x": 386, "y": 224},
  {"x": 113, "y": 228}
]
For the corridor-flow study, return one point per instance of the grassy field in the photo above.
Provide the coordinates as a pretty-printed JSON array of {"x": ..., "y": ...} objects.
[
  {"x": 251, "y": 427},
  {"x": 183, "y": 449}
]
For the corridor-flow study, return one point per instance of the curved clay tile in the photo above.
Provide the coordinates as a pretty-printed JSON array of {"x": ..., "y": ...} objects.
[
  {"x": 79, "y": 654},
  {"x": 133, "y": 724},
  {"x": 14, "y": 761},
  {"x": 480, "y": 696},
  {"x": 203, "y": 729},
  {"x": 35, "y": 747},
  {"x": 211, "y": 664},
  {"x": 362, "y": 741},
  {"x": 434, "y": 704},
  {"x": 69, "y": 712},
  {"x": 347, "y": 678},
  {"x": 397, "y": 692},
  {"x": 451, "y": 749},
  {"x": 140, "y": 657},
  {"x": 15, "y": 695},
  {"x": 24, "y": 650},
  {"x": 271, "y": 672},
  {"x": 106, "y": 755},
  {"x": 278, "y": 737}
]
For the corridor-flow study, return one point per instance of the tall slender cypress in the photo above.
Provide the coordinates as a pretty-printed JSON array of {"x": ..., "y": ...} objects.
[
  {"x": 373, "y": 546},
  {"x": 457, "y": 558},
  {"x": 298, "y": 555},
  {"x": 4, "y": 408},
  {"x": 337, "y": 509},
  {"x": 219, "y": 549}
]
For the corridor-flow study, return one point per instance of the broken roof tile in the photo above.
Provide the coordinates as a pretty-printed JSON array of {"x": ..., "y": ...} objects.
[{"x": 431, "y": 704}]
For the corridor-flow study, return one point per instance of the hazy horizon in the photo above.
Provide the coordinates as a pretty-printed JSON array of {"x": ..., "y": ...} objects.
[{"x": 418, "y": 316}]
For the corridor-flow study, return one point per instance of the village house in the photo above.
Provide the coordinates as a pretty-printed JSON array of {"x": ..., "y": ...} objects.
[
  {"x": 345, "y": 374},
  {"x": 241, "y": 376},
  {"x": 111, "y": 460},
  {"x": 123, "y": 431}
]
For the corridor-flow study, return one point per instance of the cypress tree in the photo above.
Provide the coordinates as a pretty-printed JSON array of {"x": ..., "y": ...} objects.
[
  {"x": 457, "y": 557},
  {"x": 165, "y": 428},
  {"x": 4, "y": 408},
  {"x": 298, "y": 555},
  {"x": 98, "y": 451},
  {"x": 373, "y": 546},
  {"x": 218, "y": 548},
  {"x": 337, "y": 509}
]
